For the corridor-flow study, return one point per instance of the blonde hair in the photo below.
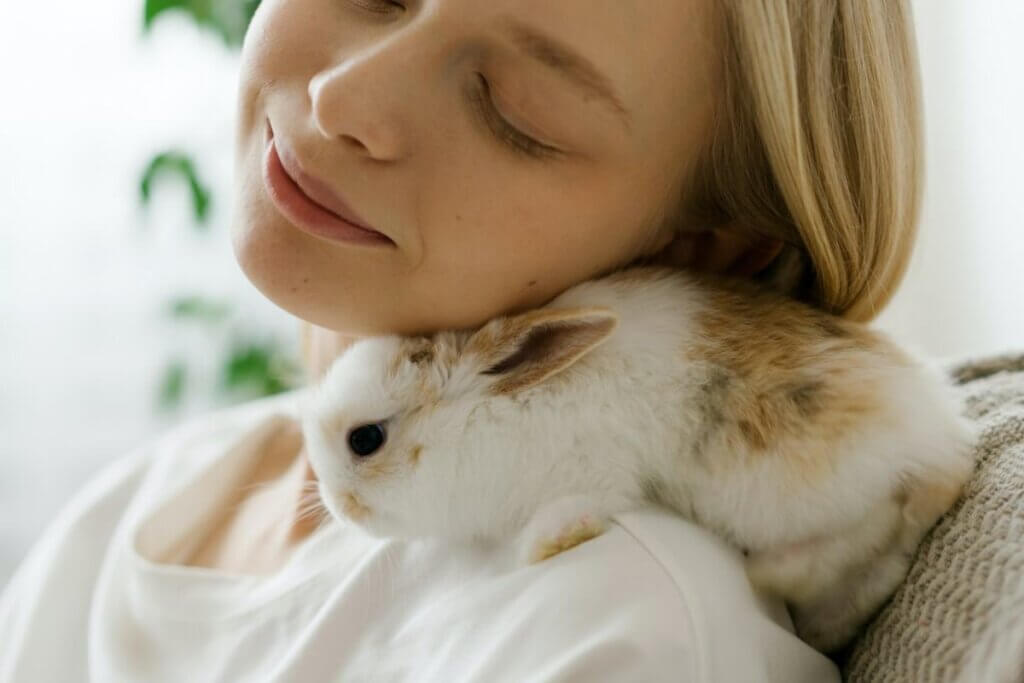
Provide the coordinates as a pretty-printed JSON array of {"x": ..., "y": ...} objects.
[{"x": 818, "y": 141}]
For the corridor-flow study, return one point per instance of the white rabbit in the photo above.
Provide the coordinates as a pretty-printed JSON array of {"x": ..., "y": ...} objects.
[{"x": 813, "y": 444}]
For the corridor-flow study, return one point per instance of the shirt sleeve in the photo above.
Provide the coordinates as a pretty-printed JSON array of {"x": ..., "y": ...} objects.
[{"x": 47, "y": 599}]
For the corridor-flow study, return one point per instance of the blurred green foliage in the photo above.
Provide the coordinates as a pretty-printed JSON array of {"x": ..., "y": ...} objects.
[
  {"x": 257, "y": 369},
  {"x": 229, "y": 18},
  {"x": 198, "y": 308},
  {"x": 172, "y": 386},
  {"x": 178, "y": 164},
  {"x": 251, "y": 365}
]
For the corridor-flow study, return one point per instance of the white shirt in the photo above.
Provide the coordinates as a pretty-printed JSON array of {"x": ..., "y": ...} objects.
[{"x": 103, "y": 594}]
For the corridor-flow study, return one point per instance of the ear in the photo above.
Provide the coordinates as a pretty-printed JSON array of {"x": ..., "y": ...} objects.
[
  {"x": 728, "y": 248},
  {"x": 524, "y": 350}
]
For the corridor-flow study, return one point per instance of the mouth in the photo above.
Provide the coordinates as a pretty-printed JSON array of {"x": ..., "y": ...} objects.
[
  {"x": 308, "y": 203},
  {"x": 354, "y": 508}
]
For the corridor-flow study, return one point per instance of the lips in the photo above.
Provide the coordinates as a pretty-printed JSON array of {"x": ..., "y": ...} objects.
[{"x": 317, "y": 192}]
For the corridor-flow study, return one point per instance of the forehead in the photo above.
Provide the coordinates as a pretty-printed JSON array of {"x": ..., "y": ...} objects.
[{"x": 618, "y": 35}]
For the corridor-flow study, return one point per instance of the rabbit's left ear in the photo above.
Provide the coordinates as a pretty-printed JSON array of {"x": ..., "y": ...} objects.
[{"x": 526, "y": 349}]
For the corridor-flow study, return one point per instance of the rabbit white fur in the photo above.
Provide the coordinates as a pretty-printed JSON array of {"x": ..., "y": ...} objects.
[{"x": 813, "y": 444}]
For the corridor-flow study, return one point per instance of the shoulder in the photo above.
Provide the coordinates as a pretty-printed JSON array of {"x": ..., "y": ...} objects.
[
  {"x": 660, "y": 598},
  {"x": 654, "y": 598}
]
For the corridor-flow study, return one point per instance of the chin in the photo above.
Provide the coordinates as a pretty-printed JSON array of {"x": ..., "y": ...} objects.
[
  {"x": 262, "y": 245},
  {"x": 304, "y": 277},
  {"x": 275, "y": 263}
]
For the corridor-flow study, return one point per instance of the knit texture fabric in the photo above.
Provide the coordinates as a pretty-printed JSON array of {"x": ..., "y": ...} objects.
[{"x": 958, "y": 617}]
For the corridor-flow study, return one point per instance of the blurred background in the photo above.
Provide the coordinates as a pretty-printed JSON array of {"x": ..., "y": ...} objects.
[{"x": 123, "y": 312}]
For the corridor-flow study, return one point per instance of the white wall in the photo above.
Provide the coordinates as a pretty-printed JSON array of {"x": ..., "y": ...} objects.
[
  {"x": 963, "y": 293},
  {"x": 85, "y": 100}
]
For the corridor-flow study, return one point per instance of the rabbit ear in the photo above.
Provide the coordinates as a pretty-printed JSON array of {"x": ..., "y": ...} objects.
[{"x": 528, "y": 348}]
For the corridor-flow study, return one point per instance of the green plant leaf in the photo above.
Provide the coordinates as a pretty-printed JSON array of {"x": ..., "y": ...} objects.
[
  {"x": 172, "y": 386},
  {"x": 200, "y": 308},
  {"x": 260, "y": 369},
  {"x": 177, "y": 164},
  {"x": 229, "y": 18}
]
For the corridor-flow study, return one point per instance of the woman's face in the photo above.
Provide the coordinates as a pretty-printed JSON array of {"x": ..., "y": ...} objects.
[{"x": 501, "y": 169}]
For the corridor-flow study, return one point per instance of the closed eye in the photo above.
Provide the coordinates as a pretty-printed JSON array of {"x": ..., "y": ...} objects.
[
  {"x": 482, "y": 102},
  {"x": 480, "y": 96}
]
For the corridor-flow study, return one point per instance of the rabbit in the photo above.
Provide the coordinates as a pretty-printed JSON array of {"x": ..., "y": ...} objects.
[{"x": 814, "y": 445}]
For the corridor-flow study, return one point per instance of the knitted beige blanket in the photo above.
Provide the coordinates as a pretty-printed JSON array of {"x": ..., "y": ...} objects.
[{"x": 959, "y": 615}]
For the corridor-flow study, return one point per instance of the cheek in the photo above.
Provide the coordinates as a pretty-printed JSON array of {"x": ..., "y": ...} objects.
[
  {"x": 501, "y": 246},
  {"x": 287, "y": 42},
  {"x": 285, "y": 38},
  {"x": 549, "y": 216}
]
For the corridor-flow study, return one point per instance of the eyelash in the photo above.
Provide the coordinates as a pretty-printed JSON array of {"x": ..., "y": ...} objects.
[
  {"x": 505, "y": 132},
  {"x": 375, "y": 5},
  {"x": 480, "y": 98}
]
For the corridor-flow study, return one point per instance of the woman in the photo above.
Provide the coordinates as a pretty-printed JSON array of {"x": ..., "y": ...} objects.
[{"x": 500, "y": 152}]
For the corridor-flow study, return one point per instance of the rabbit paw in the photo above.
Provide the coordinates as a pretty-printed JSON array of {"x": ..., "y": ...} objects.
[{"x": 559, "y": 526}]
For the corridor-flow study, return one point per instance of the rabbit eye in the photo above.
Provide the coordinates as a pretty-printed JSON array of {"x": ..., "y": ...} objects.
[{"x": 367, "y": 439}]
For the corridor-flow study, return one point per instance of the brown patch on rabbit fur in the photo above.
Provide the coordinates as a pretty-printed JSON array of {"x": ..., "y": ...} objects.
[
  {"x": 414, "y": 453},
  {"x": 423, "y": 353},
  {"x": 785, "y": 366},
  {"x": 354, "y": 508},
  {"x": 421, "y": 357},
  {"x": 416, "y": 350}
]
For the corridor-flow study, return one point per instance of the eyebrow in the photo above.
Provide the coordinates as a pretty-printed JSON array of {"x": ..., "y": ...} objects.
[{"x": 563, "y": 59}]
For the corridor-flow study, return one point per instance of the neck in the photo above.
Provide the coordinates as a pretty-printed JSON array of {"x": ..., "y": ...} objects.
[{"x": 321, "y": 347}]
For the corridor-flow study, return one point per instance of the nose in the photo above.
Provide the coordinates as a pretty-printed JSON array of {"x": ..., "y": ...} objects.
[{"x": 360, "y": 98}]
